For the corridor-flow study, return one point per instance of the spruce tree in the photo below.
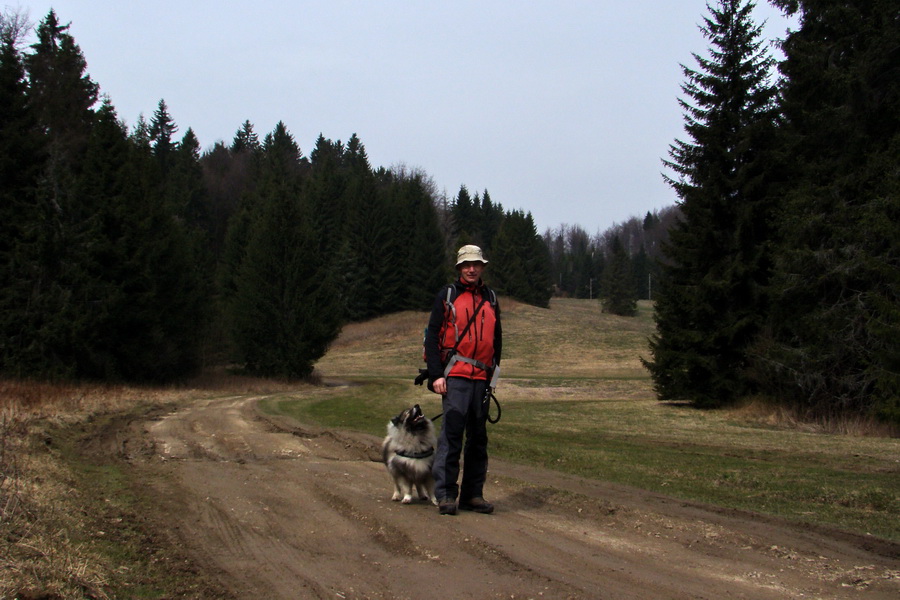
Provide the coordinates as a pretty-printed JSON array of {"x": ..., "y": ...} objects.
[
  {"x": 285, "y": 309},
  {"x": 710, "y": 306},
  {"x": 140, "y": 134},
  {"x": 508, "y": 273},
  {"x": 618, "y": 291},
  {"x": 21, "y": 154},
  {"x": 424, "y": 255},
  {"x": 162, "y": 132},
  {"x": 491, "y": 219},
  {"x": 466, "y": 218},
  {"x": 835, "y": 344},
  {"x": 21, "y": 164},
  {"x": 325, "y": 187},
  {"x": 246, "y": 139},
  {"x": 279, "y": 160},
  {"x": 99, "y": 262},
  {"x": 189, "y": 202},
  {"x": 373, "y": 242},
  {"x": 62, "y": 97},
  {"x": 184, "y": 185},
  {"x": 640, "y": 266},
  {"x": 520, "y": 264}
]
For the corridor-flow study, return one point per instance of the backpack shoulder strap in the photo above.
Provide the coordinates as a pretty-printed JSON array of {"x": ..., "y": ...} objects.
[{"x": 450, "y": 294}]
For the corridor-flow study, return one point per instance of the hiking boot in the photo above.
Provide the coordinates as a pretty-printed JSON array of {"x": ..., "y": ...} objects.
[
  {"x": 447, "y": 506},
  {"x": 478, "y": 505}
]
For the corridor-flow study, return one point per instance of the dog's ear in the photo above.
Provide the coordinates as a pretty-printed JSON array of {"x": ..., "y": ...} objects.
[{"x": 399, "y": 418}]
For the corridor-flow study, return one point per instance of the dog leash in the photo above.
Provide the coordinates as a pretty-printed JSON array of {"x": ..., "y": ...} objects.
[
  {"x": 488, "y": 397},
  {"x": 491, "y": 396}
]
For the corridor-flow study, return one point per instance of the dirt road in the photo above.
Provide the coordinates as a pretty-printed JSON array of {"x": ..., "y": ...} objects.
[{"x": 280, "y": 510}]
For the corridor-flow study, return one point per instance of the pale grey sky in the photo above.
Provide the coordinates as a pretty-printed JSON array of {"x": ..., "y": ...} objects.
[{"x": 563, "y": 108}]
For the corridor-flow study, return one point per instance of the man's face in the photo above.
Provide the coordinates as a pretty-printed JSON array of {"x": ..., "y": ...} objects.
[{"x": 470, "y": 271}]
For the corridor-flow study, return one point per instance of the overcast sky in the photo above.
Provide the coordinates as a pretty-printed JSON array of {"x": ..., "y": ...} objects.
[{"x": 560, "y": 108}]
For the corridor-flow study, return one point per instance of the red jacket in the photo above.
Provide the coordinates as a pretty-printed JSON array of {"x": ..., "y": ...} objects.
[{"x": 482, "y": 342}]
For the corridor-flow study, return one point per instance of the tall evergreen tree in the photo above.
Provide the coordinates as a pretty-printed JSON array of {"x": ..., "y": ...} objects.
[
  {"x": 62, "y": 97},
  {"x": 640, "y": 266},
  {"x": 21, "y": 164},
  {"x": 162, "y": 133},
  {"x": 835, "y": 347},
  {"x": 465, "y": 217},
  {"x": 185, "y": 186},
  {"x": 279, "y": 166},
  {"x": 325, "y": 187},
  {"x": 97, "y": 269},
  {"x": 286, "y": 306},
  {"x": 520, "y": 264},
  {"x": 491, "y": 220},
  {"x": 20, "y": 143},
  {"x": 424, "y": 251},
  {"x": 140, "y": 134},
  {"x": 246, "y": 139},
  {"x": 710, "y": 304},
  {"x": 189, "y": 202},
  {"x": 373, "y": 241},
  {"x": 618, "y": 292}
]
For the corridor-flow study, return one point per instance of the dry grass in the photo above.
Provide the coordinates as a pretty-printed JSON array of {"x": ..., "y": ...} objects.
[
  {"x": 39, "y": 556},
  {"x": 572, "y": 339},
  {"x": 41, "y": 520},
  {"x": 769, "y": 414}
]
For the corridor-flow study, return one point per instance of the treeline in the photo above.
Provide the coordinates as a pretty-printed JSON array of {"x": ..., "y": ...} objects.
[
  {"x": 782, "y": 277},
  {"x": 578, "y": 260},
  {"x": 129, "y": 254}
]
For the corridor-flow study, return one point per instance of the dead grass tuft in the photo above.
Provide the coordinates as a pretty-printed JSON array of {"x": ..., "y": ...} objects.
[
  {"x": 38, "y": 556},
  {"x": 770, "y": 414},
  {"x": 30, "y": 400}
]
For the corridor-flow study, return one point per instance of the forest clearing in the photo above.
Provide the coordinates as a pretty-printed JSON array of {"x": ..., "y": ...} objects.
[{"x": 220, "y": 491}]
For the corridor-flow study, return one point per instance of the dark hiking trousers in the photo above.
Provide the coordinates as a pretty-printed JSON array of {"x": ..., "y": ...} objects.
[{"x": 465, "y": 413}]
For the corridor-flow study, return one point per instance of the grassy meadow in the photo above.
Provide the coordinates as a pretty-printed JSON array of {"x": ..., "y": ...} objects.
[{"x": 575, "y": 398}]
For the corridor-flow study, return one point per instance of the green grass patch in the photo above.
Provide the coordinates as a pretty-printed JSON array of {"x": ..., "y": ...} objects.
[{"x": 362, "y": 405}]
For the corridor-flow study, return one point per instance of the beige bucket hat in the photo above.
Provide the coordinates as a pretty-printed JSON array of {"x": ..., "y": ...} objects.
[{"x": 469, "y": 254}]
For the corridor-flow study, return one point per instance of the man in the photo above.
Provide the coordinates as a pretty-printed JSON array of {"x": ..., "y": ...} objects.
[{"x": 462, "y": 349}]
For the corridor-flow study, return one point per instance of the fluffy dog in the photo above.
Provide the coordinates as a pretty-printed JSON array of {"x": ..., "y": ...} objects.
[{"x": 408, "y": 453}]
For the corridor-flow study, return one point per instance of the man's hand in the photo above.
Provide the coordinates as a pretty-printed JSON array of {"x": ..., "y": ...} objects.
[{"x": 440, "y": 386}]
